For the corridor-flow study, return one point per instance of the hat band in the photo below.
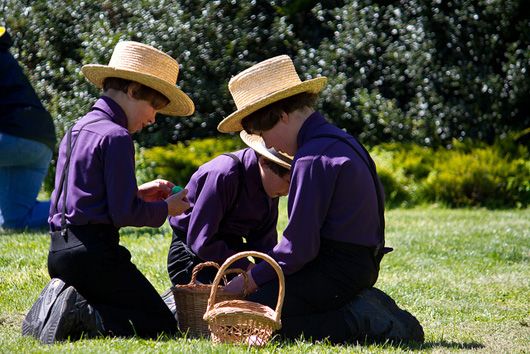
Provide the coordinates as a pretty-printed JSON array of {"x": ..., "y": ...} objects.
[{"x": 279, "y": 156}]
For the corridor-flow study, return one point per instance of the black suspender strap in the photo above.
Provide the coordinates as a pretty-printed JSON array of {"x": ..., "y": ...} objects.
[
  {"x": 380, "y": 249},
  {"x": 63, "y": 183},
  {"x": 64, "y": 179}
]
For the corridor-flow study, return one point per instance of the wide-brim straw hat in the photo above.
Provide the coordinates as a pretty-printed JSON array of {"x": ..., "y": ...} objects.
[
  {"x": 148, "y": 66},
  {"x": 262, "y": 84},
  {"x": 257, "y": 144}
]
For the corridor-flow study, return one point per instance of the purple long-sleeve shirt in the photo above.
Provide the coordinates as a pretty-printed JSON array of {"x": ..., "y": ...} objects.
[
  {"x": 332, "y": 195},
  {"x": 102, "y": 185},
  {"x": 219, "y": 208}
]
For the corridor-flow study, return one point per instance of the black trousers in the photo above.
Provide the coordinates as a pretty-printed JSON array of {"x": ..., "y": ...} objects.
[
  {"x": 91, "y": 260},
  {"x": 315, "y": 296},
  {"x": 181, "y": 259}
]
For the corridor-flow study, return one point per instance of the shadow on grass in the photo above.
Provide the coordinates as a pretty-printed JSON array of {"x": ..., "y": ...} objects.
[
  {"x": 410, "y": 346},
  {"x": 456, "y": 345},
  {"x": 442, "y": 344}
]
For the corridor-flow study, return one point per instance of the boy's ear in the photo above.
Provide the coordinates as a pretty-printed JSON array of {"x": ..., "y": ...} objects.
[
  {"x": 132, "y": 89},
  {"x": 284, "y": 117}
]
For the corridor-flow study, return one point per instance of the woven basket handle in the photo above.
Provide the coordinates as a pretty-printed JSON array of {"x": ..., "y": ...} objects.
[
  {"x": 235, "y": 257},
  {"x": 199, "y": 267}
]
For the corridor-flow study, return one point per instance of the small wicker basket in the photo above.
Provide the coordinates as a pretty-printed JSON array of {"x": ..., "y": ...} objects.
[
  {"x": 241, "y": 321},
  {"x": 191, "y": 301}
]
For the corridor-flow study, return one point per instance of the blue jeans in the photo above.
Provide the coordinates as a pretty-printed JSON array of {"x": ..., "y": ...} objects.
[{"x": 23, "y": 166}]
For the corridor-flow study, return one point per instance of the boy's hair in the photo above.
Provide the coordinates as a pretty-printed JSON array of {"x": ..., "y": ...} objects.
[
  {"x": 266, "y": 117},
  {"x": 274, "y": 167},
  {"x": 155, "y": 98}
]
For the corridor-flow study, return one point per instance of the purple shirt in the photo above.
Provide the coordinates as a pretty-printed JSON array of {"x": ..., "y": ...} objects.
[
  {"x": 102, "y": 185},
  {"x": 332, "y": 195},
  {"x": 219, "y": 208}
]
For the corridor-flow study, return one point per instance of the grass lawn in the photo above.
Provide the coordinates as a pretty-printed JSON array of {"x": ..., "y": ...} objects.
[{"x": 464, "y": 273}]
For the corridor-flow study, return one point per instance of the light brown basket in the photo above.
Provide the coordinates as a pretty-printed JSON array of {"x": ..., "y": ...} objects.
[
  {"x": 241, "y": 321},
  {"x": 191, "y": 301}
]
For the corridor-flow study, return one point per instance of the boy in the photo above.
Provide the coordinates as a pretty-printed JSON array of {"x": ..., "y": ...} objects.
[
  {"x": 233, "y": 196},
  {"x": 95, "y": 288},
  {"x": 333, "y": 243}
]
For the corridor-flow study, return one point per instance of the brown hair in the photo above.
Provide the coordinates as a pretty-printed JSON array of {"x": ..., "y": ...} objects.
[
  {"x": 274, "y": 167},
  {"x": 265, "y": 118},
  {"x": 155, "y": 98}
]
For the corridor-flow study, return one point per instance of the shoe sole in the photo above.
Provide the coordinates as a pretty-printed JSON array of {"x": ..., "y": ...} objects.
[
  {"x": 38, "y": 314},
  {"x": 59, "y": 325}
]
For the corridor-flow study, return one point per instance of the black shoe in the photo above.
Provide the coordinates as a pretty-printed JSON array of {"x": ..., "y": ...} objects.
[
  {"x": 39, "y": 312},
  {"x": 71, "y": 318},
  {"x": 376, "y": 317}
]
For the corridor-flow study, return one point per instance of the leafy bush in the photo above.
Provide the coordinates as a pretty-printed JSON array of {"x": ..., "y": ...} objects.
[
  {"x": 179, "y": 161},
  {"x": 483, "y": 177},
  {"x": 426, "y": 71},
  {"x": 467, "y": 175}
]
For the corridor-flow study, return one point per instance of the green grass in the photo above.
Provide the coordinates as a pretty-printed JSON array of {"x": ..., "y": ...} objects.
[{"x": 464, "y": 273}]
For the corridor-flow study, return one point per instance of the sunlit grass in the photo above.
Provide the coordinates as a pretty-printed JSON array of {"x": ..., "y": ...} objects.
[{"x": 464, "y": 274}]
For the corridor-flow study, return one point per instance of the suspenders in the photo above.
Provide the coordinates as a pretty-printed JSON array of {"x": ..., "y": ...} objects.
[
  {"x": 63, "y": 183},
  {"x": 380, "y": 249}
]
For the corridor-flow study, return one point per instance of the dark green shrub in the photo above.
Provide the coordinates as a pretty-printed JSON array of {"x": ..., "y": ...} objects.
[
  {"x": 413, "y": 70},
  {"x": 426, "y": 71}
]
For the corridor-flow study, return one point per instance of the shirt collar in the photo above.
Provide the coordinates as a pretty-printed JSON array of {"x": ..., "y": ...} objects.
[
  {"x": 310, "y": 127},
  {"x": 252, "y": 175},
  {"x": 111, "y": 108}
]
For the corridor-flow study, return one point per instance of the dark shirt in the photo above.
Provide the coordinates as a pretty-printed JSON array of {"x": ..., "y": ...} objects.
[
  {"x": 21, "y": 112},
  {"x": 220, "y": 209},
  {"x": 102, "y": 185},
  {"x": 332, "y": 195}
]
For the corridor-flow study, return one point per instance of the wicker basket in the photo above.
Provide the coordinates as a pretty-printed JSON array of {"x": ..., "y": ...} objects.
[
  {"x": 191, "y": 301},
  {"x": 241, "y": 321}
]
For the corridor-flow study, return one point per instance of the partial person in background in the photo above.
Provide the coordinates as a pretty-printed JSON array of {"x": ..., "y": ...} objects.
[
  {"x": 332, "y": 246},
  {"x": 234, "y": 208},
  {"x": 95, "y": 288},
  {"x": 27, "y": 141}
]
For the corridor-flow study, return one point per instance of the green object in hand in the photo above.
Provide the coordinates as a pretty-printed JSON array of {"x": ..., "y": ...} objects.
[{"x": 176, "y": 189}]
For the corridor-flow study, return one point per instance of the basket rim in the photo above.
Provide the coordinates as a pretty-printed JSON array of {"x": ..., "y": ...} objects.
[{"x": 232, "y": 259}]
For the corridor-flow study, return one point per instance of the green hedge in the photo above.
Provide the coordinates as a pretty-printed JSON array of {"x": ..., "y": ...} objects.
[
  {"x": 426, "y": 71},
  {"x": 468, "y": 174},
  {"x": 464, "y": 175},
  {"x": 179, "y": 161},
  {"x": 481, "y": 177}
]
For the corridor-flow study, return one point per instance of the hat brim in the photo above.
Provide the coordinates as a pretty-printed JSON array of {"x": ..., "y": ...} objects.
[
  {"x": 179, "y": 103},
  {"x": 256, "y": 143},
  {"x": 232, "y": 123}
]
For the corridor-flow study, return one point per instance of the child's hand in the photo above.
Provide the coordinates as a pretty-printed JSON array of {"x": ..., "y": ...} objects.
[
  {"x": 177, "y": 203},
  {"x": 237, "y": 285},
  {"x": 156, "y": 190}
]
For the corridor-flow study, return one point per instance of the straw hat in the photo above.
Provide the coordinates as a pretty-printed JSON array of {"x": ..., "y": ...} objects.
[
  {"x": 262, "y": 84},
  {"x": 258, "y": 145},
  {"x": 148, "y": 66}
]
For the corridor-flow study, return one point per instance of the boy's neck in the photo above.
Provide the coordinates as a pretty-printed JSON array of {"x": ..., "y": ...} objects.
[{"x": 300, "y": 116}]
